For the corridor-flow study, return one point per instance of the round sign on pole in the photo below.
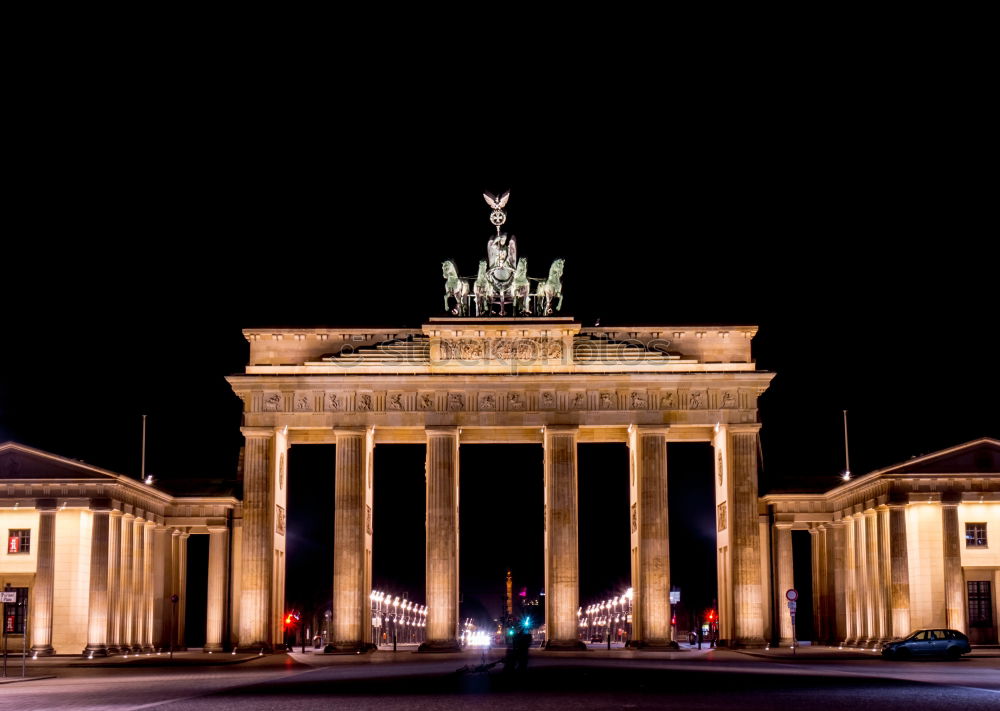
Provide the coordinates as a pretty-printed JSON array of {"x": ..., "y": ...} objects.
[{"x": 792, "y": 594}]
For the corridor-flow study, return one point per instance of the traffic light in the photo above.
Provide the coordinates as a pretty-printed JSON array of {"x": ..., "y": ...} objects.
[{"x": 292, "y": 619}]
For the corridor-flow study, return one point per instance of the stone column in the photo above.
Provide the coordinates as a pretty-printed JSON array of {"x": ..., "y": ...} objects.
[
  {"x": 850, "y": 582},
  {"x": 97, "y": 615},
  {"x": 836, "y": 537},
  {"x": 350, "y": 598},
  {"x": 747, "y": 602},
  {"x": 442, "y": 539},
  {"x": 182, "y": 552},
  {"x": 861, "y": 579},
  {"x": 885, "y": 573},
  {"x": 874, "y": 569},
  {"x": 258, "y": 539},
  {"x": 786, "y": 580},
  {"x": 218, "y": 568},
  {"x": 161, "y": 588},
  {"x": 175, "y": 586},
  {"x": 900, "y": 564},
  {"x": 126, "y": 602},
  {"x": 147, "y": 586},
  {"x": 114, "y": 576},
  {"x": 817, "y": 585},
  {"x": 41, "y": 603},
  {"x": 562, "y": 564},
  {"x": 138, "y": 607},
  {"x": 954, "y": 599},
  {"x": 826, "y": 613}
]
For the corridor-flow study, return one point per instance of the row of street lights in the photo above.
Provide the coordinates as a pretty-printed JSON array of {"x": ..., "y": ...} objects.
[
  {"x": 396, "y": 619},
  {"x": 608, "y": 620}
]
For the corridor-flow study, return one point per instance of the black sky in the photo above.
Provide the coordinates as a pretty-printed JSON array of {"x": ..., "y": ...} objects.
[{"x": 850, "y": 220}]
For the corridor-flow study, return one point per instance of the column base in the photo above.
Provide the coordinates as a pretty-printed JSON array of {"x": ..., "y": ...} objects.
[
  {"x": 214, "y": 648},
  {"x": 43, "y": 651},
  {"x": 440, "y": 645},
  {"x": 654, "y": 646},
  {"x": 258, "y": 647},
  {"x": 747, "y": 643},
  {"x": 97, "y": 650},
  {"x": 349, "y": 648},
  {"x": 565, "y": 645}
]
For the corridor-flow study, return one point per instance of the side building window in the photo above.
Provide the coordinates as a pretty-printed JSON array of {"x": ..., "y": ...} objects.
[
  {"x": 18, "y": 540},
  {"x": 975, "y": 535}
]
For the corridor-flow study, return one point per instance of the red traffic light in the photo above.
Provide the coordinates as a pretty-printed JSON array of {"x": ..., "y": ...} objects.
[{"x": 292, "y": 619}]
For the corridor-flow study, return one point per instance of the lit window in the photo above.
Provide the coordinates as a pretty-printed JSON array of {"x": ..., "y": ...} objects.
[
  {"x": 975, "y": 535},
  {"x": 18, "y": 540}
]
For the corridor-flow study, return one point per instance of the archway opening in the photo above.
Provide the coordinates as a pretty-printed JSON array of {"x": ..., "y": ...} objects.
[
  {"x": 501, "y": 511},
  {"x": 605, "y": 536},
  {"x": 691, "y": 508}
]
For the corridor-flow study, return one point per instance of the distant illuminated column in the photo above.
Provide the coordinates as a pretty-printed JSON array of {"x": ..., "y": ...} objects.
[
  {"x": 954, "y": 600},
  {"x": 562, "y": 568},
  {"x": 873, "y": 570},
  {"x": 182, "y": 546},
  {"x": 838, "y": 604},
  {"x": 147, "y": 586},
  {"x": 126, "y": 603},
  {"x": 97, "y": 611},
  {"x": 42, "y": 595},
  {"x": 651, "y": 561},
  {"x": 885, "y": 573},
  {"x": 748, "y": 603},
  {"x": 114, "y": 575},
  {"x": 851, "y": 581},
  {"x": 900, "y": 570},
  {"x": 218, "y": 550},
  {"x": 138, "y": 561},
  {"x": 786, "y": 580},
  {"x": 442, "y": 538},
  {"x": 861, "y": 578}
]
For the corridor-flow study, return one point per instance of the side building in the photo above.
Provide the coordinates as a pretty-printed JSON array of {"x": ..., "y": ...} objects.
[
  {"x": 95, "y": 559},
  {"x": 911, "y": 546}
]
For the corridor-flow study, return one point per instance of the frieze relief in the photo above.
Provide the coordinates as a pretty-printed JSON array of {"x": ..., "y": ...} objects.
[
  {"x": 503, "y": 401},
  {"x": 273, "y": 402},
  {"x": 502, "y": 349},
  {"x": 723, "y": 517}
]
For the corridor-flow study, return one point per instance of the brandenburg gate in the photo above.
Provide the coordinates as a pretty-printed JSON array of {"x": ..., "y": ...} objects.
[
  {"x": 500, "y": 368},
  {"x": 463, "y": 380}
]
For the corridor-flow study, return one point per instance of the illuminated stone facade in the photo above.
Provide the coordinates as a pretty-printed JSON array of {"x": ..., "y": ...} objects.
[
  {"x": 547, "y": 381},
  {"x": 104, "y": 553},
  {"x": 910, "y": 546}
]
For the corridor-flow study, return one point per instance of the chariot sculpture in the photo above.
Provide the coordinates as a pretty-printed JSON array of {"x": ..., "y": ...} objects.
[{"x": 502, "y": 279}]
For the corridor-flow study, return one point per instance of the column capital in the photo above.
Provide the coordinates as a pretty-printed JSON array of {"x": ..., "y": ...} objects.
[
  {"x": 174, "y": 532},
  {"x": 128, "y": 515},
  {"x": 662, "y": 430},
  {"x": 262, "y": 432},
  {"x": 560, "y": 430},
  {"x": 783, "y": 525},
  {"x": 441, "y": 431},
  {"x": 117, "y": 513},
  {"x": 218, "y": 529},
  {"x": 743, "y": 428},
  {"x": 350, "y": 431}
]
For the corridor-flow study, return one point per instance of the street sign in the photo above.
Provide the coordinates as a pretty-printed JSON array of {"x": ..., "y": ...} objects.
[
  {"x": 792, "y": 594},
  {"x": 675, "y": 597},
  {"x": 792, "y": 605},
  {"x": 8, "y": 596}
]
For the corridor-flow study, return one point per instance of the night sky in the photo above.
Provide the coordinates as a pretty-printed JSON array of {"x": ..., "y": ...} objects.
[{"x": 857, "y": 237}]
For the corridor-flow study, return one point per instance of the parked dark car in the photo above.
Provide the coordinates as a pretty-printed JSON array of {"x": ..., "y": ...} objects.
[{"x": 950, "y": 644}]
